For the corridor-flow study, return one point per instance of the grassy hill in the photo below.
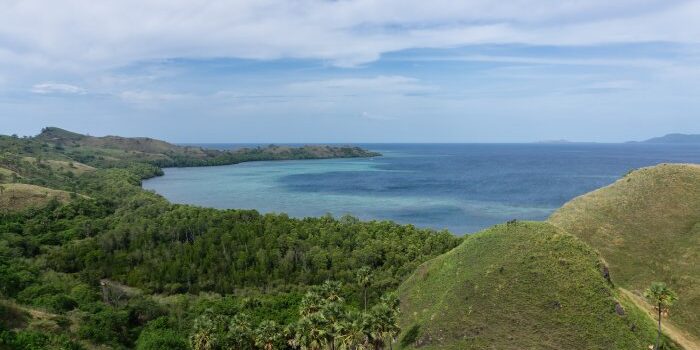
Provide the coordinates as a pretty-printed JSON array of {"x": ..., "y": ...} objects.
[
  {"x": 6, "y": 175},
  {"x": 16, "y": 196},
  {"x": 519, "y": 286},
  {"x": 62, "y": 166},
  {"x": 647, "y": 227}
]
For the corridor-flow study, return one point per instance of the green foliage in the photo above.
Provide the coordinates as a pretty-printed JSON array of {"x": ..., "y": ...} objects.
[
  {"x": 34, "y": 340},
  {"x": 410, "y": 336},
  {"x": 660, "y": 296},
  {"x": 326, "y": 321},
  {"x": 105, "y": 324},
  {"x": 160, "y": 334}
]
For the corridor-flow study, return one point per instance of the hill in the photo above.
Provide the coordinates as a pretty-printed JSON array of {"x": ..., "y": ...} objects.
[
  {"x": 117, "y": 150},
  {"x": 647, "y": 227},
  {"x": 675, "y": 138},
  {"x": 17, "y": 197},
  {"x": 519, "y": 286}
]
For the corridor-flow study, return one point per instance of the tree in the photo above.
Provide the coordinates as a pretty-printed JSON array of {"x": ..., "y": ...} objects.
[
  {"x": 352, "y": 333},
  {"x": 382, "y": 321},
  {"x": 364, "y": 279},
  {"x": 311, "y": 332},
  {"x": 322, "y": 312},
  {"x": 662, "y": 298},
  {"x": 158, "y": 334},
  {"x": 268, "y": 335},
  {"x": 240, "y": 334},
  {"x": 207, "y": 332}
]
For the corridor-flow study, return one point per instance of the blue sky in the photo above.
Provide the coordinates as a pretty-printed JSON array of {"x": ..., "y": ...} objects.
[{"x": 352, "y": 71}]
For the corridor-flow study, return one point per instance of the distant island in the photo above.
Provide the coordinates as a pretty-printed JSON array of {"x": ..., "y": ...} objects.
[
  {"x": 117, "y": 151},
  {"x": 673, "y": 138}
]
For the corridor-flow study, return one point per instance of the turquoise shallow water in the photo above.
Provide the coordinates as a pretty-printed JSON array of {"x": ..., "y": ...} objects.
[{"x": 460, "y": 187}]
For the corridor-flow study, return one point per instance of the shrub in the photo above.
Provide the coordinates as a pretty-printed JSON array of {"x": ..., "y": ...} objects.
[{"x": 411, "y": 336}]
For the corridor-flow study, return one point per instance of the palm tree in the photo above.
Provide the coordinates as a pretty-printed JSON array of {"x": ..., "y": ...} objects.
[
  {"x": 268, "y": 335},
  {"x": 352, "y": 332},
  {"x": 240, "y": 335},
  {"x": 662, "y": 298},
  {"x": 392, "y": 304},
  {"x": 205, "y": 336},
  {"x": 382, "y": 321},
  {"x": 364, "y": 279},
  {"x": 312, "y": 327},
  {"x": 311, "y": 332},
  {"x": 374, "y": 327},
  {"x": 311, "y": 303},
  {"x": 332, "y": 311}
]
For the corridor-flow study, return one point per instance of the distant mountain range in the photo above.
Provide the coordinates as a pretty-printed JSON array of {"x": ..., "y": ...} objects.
[
  {"x": 673, "y": 138},
  {"x": 666, "y": 139}
]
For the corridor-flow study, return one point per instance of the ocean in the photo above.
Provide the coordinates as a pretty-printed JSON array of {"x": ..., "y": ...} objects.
[{"x": 459, "y": 187}]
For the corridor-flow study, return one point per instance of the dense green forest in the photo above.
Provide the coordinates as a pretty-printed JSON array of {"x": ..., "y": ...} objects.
[{"x": 112, "y": 265}]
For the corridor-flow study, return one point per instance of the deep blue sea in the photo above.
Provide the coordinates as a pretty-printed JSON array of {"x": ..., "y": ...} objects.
[{"x": 459, "y": 187}]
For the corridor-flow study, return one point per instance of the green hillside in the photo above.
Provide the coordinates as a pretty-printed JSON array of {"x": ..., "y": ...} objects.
[
  {"x": 518, "y": 286},
  {"x": 113, "y": 151},
  {"x": 647, "y": 228}
]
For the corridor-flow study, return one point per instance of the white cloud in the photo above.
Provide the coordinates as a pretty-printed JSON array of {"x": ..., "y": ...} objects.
[
  {"x": 362, "y": 86},
  {"x": 57, "y": 88},
  {"x": 84, "y": 34},
  {"x": 149, "y": 98},
  {"x": 629, "y": 62}
]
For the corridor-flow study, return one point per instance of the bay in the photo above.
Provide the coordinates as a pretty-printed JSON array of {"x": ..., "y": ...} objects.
[{"x": 459, "y": 187}]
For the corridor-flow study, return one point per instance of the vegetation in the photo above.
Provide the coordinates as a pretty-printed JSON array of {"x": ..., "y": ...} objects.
[
  {"x": 662, "y": 298},
  {"x": 90, "y": 260},
  {"x": 647, "y": 228},
  {"x": 521, "y": 285},
  {"x": 325, "y": 322},
  {"x": 98, "y": 261}
]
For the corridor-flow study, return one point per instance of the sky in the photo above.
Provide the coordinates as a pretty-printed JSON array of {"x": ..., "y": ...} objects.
[{"x": 352, "y": 70}]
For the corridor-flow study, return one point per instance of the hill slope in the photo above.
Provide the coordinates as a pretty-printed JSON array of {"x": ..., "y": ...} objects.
[
  {"x": 647, "y": 227},
  {"x": 519, "y": 286},
  {"x": 17, "y": 197}
]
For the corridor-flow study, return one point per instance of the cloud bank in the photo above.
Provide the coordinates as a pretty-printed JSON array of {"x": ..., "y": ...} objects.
[
  {"x": 352, "y": 70},
  {"x": 75, "y": 34}
]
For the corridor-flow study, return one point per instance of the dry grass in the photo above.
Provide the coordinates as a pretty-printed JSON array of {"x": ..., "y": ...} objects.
[
  {"x": 6, "y": 175},
  {"x": 63, "y": 166},
  {"x": 647, "y": 227},
  {"x": 16, "y": 197}
]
